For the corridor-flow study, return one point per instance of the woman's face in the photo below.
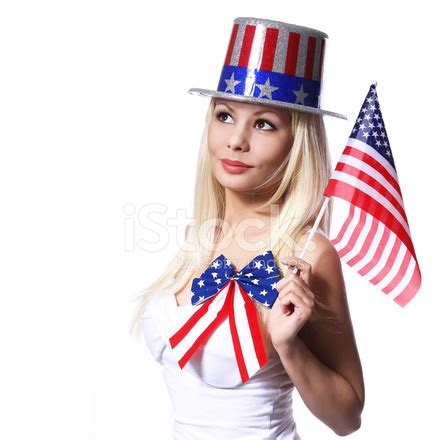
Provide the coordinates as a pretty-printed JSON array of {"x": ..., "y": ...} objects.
[{"x": 257, "y": 135}]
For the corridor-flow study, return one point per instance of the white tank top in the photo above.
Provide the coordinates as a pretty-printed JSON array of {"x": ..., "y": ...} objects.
[{"x": 209, "y": 400}]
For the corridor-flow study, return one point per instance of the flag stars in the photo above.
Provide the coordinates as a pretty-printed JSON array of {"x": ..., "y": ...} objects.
[
  {"x": 258, "y": 264},
  {"x": 255, "y": 281},
  {"x": 273, "y": 285},
  {"x": 369, "y": 127},
  {"x": 216, "y": 264},
  {"x": 201, "y": 283}
]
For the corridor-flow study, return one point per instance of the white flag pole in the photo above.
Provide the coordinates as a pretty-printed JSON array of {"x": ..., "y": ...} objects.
[{"x": 313, "y": 230}]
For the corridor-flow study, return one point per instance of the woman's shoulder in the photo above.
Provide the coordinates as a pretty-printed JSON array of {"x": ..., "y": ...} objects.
[
  {"x": 326, "y": 267},
  {"x": 319, "y": 248}
]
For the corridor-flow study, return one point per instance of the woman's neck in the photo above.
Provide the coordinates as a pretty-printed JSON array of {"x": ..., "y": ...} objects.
[
  {"x": 240, "y": 206},
  {"x": 242, "y": 218}
]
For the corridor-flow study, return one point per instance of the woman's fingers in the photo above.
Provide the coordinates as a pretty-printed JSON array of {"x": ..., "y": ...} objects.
[
  {"x": 302, "y": 292},
  {"x": 293, "y": 280},
  {"x": 293, "y": 288},
  {"x": 292, "y": 298},
  {"x": 294, "y": 264}
]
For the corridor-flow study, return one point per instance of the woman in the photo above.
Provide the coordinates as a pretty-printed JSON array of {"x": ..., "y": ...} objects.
[{"x": 262, "y": 167}]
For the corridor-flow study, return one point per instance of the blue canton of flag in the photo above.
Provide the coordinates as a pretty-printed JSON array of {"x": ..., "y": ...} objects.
[{"x": 370, "y": 128}]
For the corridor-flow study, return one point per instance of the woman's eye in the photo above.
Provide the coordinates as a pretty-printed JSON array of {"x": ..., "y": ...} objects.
[
  {"x": 260, "y": 123},
  {"x": 220, "y": 116}
]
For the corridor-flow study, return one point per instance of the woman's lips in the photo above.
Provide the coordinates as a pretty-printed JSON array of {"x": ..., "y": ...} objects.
[{"x": 235, "y": 167}]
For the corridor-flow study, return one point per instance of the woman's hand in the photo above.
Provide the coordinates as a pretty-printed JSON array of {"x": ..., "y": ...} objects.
[{"x": 294, "y": 304}]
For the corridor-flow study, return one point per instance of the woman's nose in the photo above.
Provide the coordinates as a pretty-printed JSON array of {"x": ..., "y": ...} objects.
[{"x": 238, "y": 139}]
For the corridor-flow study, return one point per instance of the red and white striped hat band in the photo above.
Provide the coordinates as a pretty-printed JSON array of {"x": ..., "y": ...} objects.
[{"x": 275, "y": 63}]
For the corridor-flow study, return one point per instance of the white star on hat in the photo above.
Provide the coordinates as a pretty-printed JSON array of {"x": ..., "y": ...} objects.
[
  {"x": 300, "y": 95},
  {"x": 266, "y": 89},
  {"x": 231, "y": 82}
]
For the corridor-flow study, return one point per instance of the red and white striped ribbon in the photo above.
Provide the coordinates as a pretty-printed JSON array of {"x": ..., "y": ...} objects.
[{"x": 232, "y": 302}]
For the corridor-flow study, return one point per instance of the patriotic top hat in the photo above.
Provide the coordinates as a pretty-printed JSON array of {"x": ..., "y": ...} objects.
[{"x": 273, "y": 63}]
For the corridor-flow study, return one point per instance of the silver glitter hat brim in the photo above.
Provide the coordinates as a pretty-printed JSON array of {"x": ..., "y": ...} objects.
[{"x": 226, "y": 95}]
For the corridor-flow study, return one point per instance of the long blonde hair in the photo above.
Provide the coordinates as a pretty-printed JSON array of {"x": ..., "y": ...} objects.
[{"x": 301, "y": 180}]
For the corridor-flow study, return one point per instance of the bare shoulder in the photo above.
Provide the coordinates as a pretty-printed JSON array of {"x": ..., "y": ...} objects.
[
  {"x": 327, "y": 280},
  {"x": 320, "y": 244}
]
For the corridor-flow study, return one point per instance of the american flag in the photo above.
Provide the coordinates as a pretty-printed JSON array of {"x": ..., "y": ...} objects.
[{"x": 375, "y": 237}]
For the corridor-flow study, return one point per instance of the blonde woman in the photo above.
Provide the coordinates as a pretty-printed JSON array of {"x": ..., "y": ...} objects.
[{"x": 262, "y": 168}]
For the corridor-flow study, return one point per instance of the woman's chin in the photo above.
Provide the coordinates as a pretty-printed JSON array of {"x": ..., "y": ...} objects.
[{"x": 236, "y": 182}]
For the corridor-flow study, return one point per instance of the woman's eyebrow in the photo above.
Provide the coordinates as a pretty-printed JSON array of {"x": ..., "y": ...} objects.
[{"x": 255, "y": 113}]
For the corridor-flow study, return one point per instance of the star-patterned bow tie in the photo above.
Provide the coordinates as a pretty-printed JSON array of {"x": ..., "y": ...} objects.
[{"x": 223, "y": 294}]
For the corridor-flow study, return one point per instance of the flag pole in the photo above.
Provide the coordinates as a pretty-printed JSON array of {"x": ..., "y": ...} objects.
[
  {"x": 313, "y": 230},
  {"x": 318, "y": 219},
  {"x": 321, "y": 213}
]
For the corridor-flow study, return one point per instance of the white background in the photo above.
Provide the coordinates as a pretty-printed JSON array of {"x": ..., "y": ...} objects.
[{"x": 96, "y": 120}]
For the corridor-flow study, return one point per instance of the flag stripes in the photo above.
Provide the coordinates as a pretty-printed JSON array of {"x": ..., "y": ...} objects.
[{"x": 375, "y": 237}]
